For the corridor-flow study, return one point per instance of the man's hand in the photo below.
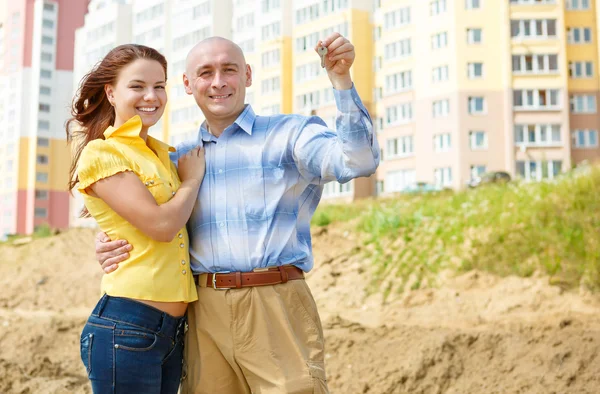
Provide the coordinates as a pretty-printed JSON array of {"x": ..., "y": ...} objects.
[
  {"x": 339, "y": 59},
  {"x": 110, "y": 253}
]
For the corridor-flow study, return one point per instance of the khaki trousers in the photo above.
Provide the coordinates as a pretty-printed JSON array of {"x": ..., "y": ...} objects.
[{"x": 260, "y": 340}]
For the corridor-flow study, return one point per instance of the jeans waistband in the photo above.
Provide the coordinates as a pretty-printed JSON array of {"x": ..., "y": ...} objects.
[{"x": 129, "y": 311}]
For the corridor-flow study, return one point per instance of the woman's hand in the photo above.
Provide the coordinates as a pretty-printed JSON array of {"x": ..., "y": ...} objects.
[{"x": 192, "y": 166}]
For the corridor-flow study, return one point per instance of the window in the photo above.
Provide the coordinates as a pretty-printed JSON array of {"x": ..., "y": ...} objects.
[
  {"x": 398, "y": 82},
  {"x": 533, "y": 28},
  {"x": 270, "y": 110},
  {"x": 439, "y": 74},
  {"x": 270, "y": 5},
  {"x": 535, "y": 64},
  {"x": 398, "y": 49},
  {"x": 41, "y": 194},
  {"x": 579, "y": 35},
  {"x": 41, "y": 141},
  {"x": 399, "y": 114},
  {"x": 41, "y": 177},
  {"x": 536, "y": 99},
  {"x": 478, "y": 140},
  {"x": 46, "y": 57},
  {"x": 474, "y": 36},
  {"x": 308, "y": 71},
  {"x": 581, "y": 70},
  {"x": 45, "y": 74},
  {"x": 396, "y": 181},
  {"x": 308, "y": 100},
  {"x": 538, "y": 170},
  {"x": 199, "y": 11},
  {"x": 443, "y": 176},
  {"x": 335, "y": 189},
  {"x": 47, "y": 40},
  {"x": 48, "y": 7},
  {"x": 437, "y": 7},
  {"x": 42, "y": 159},
  {"x": 271, "y": 58},
  {"x": 473, "y": 4},
  {"x": 399, "y": 147},
  {"x": 245, "y": 22},
  {"x": 307, "y": 14},
  {"x": 476, "y": 105},
  {"x": 270, "y": 32},
  {"x": 533, "y": 1},
  {"x": 45, "y": 91},
  {"x": 583, "y": 104},
  {"x": 477, "y": 170},
  {"x": 441, "y": 108},
  {"x": 396, "y": 18},
  {"x": 271, "y": 85},
  {"x": 584, "y": 138},
  {"x": 475, "y": 70},
  {"x": 43, "y": 125},
  {"x": 44, "y": 107},
  {"x": 439, "y": 40},
  {"x": 47, "y": 23},
  {"x": 41, "y": 212},
  {"x": 577, "y": 4},
  {"x": 537, "y": 134},
  {"x": 333, "y": 5},
  {"x": 442, "y": 142}
]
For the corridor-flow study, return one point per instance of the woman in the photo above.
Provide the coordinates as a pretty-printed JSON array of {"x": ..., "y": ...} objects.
[{"x": 133, "y": 340}]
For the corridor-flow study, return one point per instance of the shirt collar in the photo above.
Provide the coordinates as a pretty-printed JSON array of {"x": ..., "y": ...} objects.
[
  {"x": 131, "y": 129},
  {"x": 244, "y": 121}
]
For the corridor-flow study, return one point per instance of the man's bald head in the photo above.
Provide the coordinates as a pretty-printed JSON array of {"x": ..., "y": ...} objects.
[
  {"x": 211, "y": 44},
  {"x": 217, "y": 75}
]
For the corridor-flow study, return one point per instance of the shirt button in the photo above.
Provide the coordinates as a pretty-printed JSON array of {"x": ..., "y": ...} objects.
[
  {"x": 147, "y": 183},
  {"x": 152, "y": 182},
  {"x": 220, "y": 171},
  {"x": 183, "y": 272},
  {"x": 173, "y": 193},
  {"x": 222, "y": 224},
  {"x": 181, "y": 245},
  {"x": 180, "y": 235},
  {"x": 182, "y": 262}
]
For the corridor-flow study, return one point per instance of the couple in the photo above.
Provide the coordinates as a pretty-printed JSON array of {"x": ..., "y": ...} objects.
[{"x": 247, "y": 189}]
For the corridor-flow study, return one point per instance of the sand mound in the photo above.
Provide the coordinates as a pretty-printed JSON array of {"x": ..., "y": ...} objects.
[{"x": 476, "y": 333}]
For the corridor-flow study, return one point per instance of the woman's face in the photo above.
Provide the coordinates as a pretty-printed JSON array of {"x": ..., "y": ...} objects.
[{"x": 139, "y": 90}]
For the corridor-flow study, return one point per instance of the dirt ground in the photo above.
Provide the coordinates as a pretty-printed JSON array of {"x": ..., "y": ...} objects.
[{"x": 475, "y": 333}]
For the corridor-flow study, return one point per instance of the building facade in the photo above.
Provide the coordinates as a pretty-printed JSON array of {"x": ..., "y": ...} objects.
[{"x": 37, "y": 75}]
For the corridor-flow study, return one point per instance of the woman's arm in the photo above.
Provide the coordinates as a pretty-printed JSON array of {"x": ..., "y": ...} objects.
[{"x": 125, "y": 193}]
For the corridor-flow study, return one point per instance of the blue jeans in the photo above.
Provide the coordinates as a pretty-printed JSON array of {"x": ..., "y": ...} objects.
[{"x": 130, "y": 347}]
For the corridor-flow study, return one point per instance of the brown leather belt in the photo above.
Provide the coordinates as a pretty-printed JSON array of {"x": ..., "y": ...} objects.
[{"x": 258, "y": 277}]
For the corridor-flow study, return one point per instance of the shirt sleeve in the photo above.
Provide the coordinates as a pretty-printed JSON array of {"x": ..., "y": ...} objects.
[
  {"x": 351, "y": 150},
  {"x": 100, "y": 159}
]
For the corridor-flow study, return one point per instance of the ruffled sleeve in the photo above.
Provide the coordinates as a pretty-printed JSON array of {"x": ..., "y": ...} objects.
[{"x": 100, "y": 159}]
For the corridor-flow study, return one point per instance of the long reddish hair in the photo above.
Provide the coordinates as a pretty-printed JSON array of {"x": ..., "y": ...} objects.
[{"x": 91, "y": 111}]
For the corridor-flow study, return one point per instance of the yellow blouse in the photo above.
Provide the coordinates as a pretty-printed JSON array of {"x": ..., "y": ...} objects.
[{"x": 155, "y": 271}]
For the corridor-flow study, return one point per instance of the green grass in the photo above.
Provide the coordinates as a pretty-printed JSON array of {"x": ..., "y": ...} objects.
[{"x": 517, "y": 228}]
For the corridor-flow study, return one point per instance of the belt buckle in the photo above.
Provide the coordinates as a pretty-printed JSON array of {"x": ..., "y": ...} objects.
[{"x": 214, "y": 280}]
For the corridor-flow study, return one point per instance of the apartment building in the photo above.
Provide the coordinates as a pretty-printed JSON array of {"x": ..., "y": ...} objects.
[
  {"x": 468, "y": 86},
  {"x": 36, "y": 78},
  {"x": 191, "y": 22}
]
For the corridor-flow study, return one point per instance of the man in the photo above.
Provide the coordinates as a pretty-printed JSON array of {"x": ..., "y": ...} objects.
[{"x": 256, "y": 327}]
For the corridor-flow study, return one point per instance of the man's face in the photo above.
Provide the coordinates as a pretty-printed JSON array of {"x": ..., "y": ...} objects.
[{"x": 217, "y": 76}]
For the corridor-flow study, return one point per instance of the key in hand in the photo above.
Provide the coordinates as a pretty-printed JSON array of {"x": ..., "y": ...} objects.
[{"x": 322, "y": 51}]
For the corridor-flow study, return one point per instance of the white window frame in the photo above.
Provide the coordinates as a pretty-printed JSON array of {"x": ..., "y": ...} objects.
[
  {"x": 525, "y": 131},
  {"x": 439, "y": 40},
  {"x": 473, "y": 4},
  {"x": 535, "y": 95},
  {"x": 437, "y": 7},
  {"x": 583, "y": 104},
  {"x": 583, "y": 67},
  {"x": 539, "y": 171},
  {"x": 536, "y": 68},
  {"x": 442, "y": 142},
  {"x": 443, "y": 176},
  {"x": 473, "y": 140},
  {"x": 533, "y": 29},
  {"x": 396, "y": 181},
  {"x": 471, "y": 68},
  {"x": 399, "y": 147},
  {"x": 587, "y": 143},
  {"x": 440, "y": 108},
  {"x": 577, "y": 5},
  {"x": 440, "y": 73},
  {"x": 472, "y": 105},
  {"x": 471, "y": 35},
  {"x": 577, "y": 35}
]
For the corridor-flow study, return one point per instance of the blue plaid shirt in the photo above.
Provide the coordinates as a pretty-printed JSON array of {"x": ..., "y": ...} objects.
[{"x": 264, "y": 179}]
